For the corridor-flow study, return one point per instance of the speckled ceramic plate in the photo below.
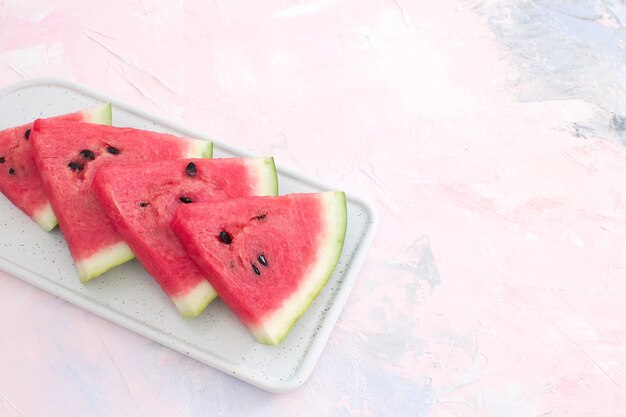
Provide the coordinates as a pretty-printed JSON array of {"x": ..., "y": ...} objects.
[{"x": 128, "y": 296}]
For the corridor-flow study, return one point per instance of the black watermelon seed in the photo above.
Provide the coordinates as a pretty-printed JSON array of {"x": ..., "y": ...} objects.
[
  {"x": 261, "y": 216},
  {"x": 75, "y": 166},
  {"x": 262, "y": 259},
  {"x": 11, "y": 171},
  {"x": 186, "y": 200},
  {"x": 256, "y": 269},
  {"x": 87, "y": 154},
  {"x": 1, "y": 159},
  {"x": 113, "y": 151},
  {"x": 225, "y": 237},
  {"x": 27, "y": 134},
  {"x": 191, "y": 169},
  {"x": 143, "y": 204}
]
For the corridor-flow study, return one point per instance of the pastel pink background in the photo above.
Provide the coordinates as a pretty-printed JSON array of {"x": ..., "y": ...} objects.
[{"x": 495, "y": 152}]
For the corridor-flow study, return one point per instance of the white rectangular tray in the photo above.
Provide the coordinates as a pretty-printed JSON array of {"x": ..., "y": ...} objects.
[{"x": 128, "y": 296}]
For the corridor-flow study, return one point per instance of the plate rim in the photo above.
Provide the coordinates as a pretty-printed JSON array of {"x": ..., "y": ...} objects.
[{"x": 320, "y": 339}]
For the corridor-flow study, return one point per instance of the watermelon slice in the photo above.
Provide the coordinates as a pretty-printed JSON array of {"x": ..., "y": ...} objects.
[
  {"x": 67, "y": 155},
  {"x": 140, "y": 200},
  {"x": 19, "y": 179},
  {"x": 267, "y": 257}
]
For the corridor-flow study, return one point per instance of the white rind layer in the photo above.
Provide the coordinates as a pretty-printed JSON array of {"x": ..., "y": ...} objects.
[
  {"x": 264, "y": 171},
  {"x": 104, "y": 260},
  {"x": 277, "y": 324},
  {"x": 195, "y": 301},
  {"x": 200, "y": 149},
  {"x": 45, "y": 218},
  {"x": 100, "y": 115}
]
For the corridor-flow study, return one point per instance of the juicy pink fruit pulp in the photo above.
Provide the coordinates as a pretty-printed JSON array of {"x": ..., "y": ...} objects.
[
  {"x": 56, "y": 144},
  {"x": 20, "y": 181},
  {"x": 284, "y": 230},
  {"x": 141, "y": 200}
]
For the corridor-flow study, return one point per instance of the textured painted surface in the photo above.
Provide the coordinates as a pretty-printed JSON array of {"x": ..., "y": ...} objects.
[{"x": 495, "y": 128}]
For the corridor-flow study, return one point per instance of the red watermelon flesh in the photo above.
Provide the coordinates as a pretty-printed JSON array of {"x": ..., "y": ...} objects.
[
  {"x": 267, "y": 257},
  {"x": 19, "y": 178},
  {"x": 67, "y": 155},
  {"x": 140, "y": 200}
]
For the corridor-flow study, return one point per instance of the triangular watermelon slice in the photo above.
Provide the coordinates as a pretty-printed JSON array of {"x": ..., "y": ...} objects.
[
  {"x": 140, "y": 200},
  {"x": 67, "y": 155},
  {"x": 267, "y": 257},
  {"x": 19, "y": 179}
]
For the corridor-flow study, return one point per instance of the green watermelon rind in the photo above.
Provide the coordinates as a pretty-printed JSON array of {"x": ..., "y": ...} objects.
[
  {"x": 45, "y": 218},
  {"x": 100, "y": 115},
  {"x": 265, "y": 168},
  {"x": 196, "y": 300},
  {"x": 104, "y": 260},
  {"x": 275, "y": 327},
  {"x": 200, "y": 149}
]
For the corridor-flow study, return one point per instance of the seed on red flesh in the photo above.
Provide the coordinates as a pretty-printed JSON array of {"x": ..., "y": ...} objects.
[
  {"x": 191, "y": 170},
  {"x": 75, "y": 166},
  {"x": 87, "y": 154},
  {"x": 225, "y": 237}
]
